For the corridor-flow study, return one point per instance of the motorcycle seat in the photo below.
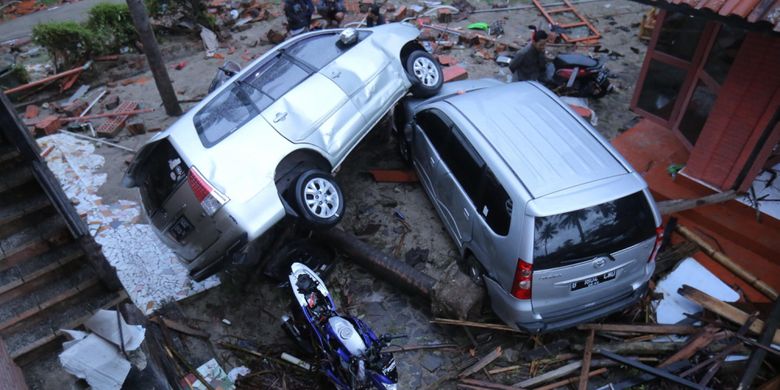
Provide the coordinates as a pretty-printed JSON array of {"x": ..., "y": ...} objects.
[{"x": 572, "y": 60}]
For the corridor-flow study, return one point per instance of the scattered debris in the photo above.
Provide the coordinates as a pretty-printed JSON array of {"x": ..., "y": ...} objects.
[{"x": 70, "y": 77}]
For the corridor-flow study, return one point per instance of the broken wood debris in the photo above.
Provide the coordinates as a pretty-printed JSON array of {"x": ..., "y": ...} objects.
[
  {"x": 75, "y": 71},
  {"x": 448, "y": 321},
  {"x": 487, "y": 359}
]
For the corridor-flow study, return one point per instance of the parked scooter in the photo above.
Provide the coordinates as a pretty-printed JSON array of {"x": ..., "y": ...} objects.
[
  {"x": 341, "y": 347},
  {"x": 578, "y": 75}
]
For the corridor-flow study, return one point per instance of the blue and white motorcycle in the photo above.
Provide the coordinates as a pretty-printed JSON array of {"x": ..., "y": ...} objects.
[{"x": 342, "y": 347}]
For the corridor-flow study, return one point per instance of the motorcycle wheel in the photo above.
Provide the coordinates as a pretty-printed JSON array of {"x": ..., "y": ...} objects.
[{"x": 599, "y": 91}]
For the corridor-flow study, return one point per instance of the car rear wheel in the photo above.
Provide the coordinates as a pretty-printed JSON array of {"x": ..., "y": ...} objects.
[
  {"x": 426, "y": 71},
  {"x": 319, "y": 199}
]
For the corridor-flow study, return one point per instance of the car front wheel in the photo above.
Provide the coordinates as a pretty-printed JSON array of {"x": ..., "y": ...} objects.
[
  {"x": 319, "y": 199},
  {"x": 427, "y": 73}
]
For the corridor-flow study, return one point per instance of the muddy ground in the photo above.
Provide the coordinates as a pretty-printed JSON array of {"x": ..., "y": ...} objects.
[{"x": 254, "y": 308}]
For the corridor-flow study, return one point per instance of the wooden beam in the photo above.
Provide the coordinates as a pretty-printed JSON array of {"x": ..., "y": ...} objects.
[
  {"x": 550, "y": 375},
  {"x": 584, "y": 373},
  {"x": 487, "y": 359},
  {"x": 471, "y": 324},
  {"x": 724, "y": 310},
  {"x": 486, "y": 385},
  {"x": 641, "y": 328},
  {"x": 567, "y": 382},
  {"x": 667, "y": 207},
  {"x": 724, "y": 260}
]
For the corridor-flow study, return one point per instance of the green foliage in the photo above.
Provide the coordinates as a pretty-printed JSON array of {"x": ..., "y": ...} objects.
[
  {"x": 112, "y": 24},
  {"x": 20, "y": 73},
  {"x": 69, "y": 43}
]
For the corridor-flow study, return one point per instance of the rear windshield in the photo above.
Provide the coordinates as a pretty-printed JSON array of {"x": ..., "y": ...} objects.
[{"x": 580, "y": 235}]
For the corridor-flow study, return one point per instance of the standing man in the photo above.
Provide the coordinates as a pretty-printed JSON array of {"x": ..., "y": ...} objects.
[
  {"x": 298, "y": 14},
  {"x": 530, "y": 63},
  {"x": 374, "y": 17},
  {"x": 332, "y": 11}
]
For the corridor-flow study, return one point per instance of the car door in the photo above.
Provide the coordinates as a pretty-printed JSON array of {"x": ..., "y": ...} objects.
[
  {"x": 430, "y": 134},
  {"x": 307, "y": 107},
  {"x": 459, "y": 184},
  {"x": 365, "y": 74}
]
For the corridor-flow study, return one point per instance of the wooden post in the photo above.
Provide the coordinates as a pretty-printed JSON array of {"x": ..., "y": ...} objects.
[
  {"x": 585, "y": 372},
  {"x": 724, "y": 260},
  {"x": 153, "y": 55}
]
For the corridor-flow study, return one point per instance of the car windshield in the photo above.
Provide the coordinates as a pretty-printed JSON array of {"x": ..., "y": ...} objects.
[{"x": 603, "y": 229}]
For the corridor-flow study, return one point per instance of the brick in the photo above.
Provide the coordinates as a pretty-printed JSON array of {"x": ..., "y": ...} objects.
[
  {"x": 75, "y": 108},
  {"x": 136, "y": 126},
  {"x": 31, "y": 111},
  {"x": 400, "y": 13},
  {"x": 454, "y": 73},
  {"x": 446, "y": 60},
  {"x": 48, "y": 125},
  {"x": 444, "y": 15}
]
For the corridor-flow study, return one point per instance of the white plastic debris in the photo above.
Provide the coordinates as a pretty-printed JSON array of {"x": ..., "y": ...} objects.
[
  {"x": 237, "y": 372},
  {"x": 209, "y": 41},
  {"x": 672, "y": 308},
  {"x": 97, "y": 361},
  {"x": 104, "y": 323},
  {"x": 75, "y": 335},
  {"x": 226, "y": 321},
  {"x": 214, "y": 375}
]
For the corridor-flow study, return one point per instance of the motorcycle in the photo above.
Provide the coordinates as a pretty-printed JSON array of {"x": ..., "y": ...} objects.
[
  {"x": 578, "y": 75},
  {"x": 343, "y": 348}
]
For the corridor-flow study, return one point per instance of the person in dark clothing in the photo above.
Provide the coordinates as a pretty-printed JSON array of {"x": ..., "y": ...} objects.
[
  {"x": 374, "y": 17},
  {"x": 298, "y": 14},
  {"x": 529, "y": 63},
  {"x": 332, "y": 11}
]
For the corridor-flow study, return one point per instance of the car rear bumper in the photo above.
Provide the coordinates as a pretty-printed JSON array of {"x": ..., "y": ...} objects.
[{"x": 519, "y": 314}]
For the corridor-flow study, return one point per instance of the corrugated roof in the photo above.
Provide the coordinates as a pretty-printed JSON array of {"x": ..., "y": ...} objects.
[{"x": 753, "y": 11}]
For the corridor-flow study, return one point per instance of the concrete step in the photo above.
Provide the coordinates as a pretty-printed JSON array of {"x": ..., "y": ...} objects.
[
  {"x": 14, "y": 175},
  {"x": 14, "y": 206},
  {"x": 38, "y": 266},
  {"x": 30, "y": 241}
]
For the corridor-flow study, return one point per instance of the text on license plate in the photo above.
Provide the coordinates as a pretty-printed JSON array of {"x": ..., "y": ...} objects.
[{"x": 593, "y": 281}]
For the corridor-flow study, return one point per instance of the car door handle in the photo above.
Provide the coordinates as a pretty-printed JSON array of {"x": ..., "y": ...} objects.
[
  {"x": 335, "y": 74},
  {"x": 466, "y": 213},
  {"x": 433, "y": 160},
  {"x": 280, "y": 117}
]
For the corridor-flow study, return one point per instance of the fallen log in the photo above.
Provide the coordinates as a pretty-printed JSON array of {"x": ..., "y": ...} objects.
[
  {"x": 487, "y": 359},
  {"x": 629, "y": 328},
  {"x": 667, "y": 207},
  {"x": 724, "y": 260},
  {"x": 724, "y": 310}
]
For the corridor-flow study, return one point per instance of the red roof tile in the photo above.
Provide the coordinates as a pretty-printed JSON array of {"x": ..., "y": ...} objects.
[{"x": 754, "y": 11}]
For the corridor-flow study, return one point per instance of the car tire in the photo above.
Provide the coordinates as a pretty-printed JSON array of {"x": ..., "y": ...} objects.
[
  {"x": 426, "y": 72},
  {"x": 319, "y": 199},
  {"x": 475, "y": 270}
]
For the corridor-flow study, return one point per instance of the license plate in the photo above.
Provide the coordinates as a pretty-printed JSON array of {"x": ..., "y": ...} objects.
[{"x": 593, "y": 281}]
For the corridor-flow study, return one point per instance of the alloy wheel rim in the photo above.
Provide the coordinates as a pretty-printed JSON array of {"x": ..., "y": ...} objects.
[
  {"x": 425, "y": 71},
  {"x": 321, "y": 198}
]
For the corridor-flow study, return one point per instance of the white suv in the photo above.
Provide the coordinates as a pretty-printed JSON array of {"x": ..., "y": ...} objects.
[{"x": 264, "y": 144}]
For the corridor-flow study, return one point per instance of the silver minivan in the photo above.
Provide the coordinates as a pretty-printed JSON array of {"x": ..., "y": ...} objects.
[{"x": 547, "y": 215}]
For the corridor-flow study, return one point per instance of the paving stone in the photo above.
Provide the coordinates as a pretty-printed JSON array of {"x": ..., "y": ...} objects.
[{"x": 431, "y": 362}]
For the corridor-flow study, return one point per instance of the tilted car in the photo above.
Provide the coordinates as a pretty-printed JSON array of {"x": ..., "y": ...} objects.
[
  {"x": 264, "y": 144},
  {"x": 546, "y": 213}
]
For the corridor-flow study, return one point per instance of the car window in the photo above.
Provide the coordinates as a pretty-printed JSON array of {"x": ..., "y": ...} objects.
[
  {"x": 434, "y": 127},
  {"x": 599, "y": 230},
  {"x": 495, "y": 205},
  {"x": 278, "y": 77},
  {"x": 230, "y": 109},
  {"x": 320, "y": 50},
  {"x": 464, "y": 163}
]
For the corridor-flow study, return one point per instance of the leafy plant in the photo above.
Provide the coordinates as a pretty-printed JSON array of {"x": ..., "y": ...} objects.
[
  {"x": 112, "y": 24},
  {"x": 69, "y": 43}
]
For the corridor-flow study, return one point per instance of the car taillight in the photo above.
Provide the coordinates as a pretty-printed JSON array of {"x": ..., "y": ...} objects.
[
  {"x": 521, "y": 285},
  {"x": 659, "y": 236},
  {"x": 210, "y": 198}
]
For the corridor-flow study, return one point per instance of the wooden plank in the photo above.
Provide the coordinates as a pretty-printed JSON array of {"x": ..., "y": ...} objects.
[
  {"x": 724, "y": 260},
  {"x": 550, "y": 375},
  {"x": 702, "y": 340},
  {"x": 641, "y": 328},
  {"x": 487, "y": 359},
  {"x": 486, "y": 385},
  {"x": 585, "y": 372},
  {"x": 570, "y": 381},
  {"x": 724, "y": 310},
  {"x": 471, "y": 324},
  {"x": 667, "y": 207}
]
